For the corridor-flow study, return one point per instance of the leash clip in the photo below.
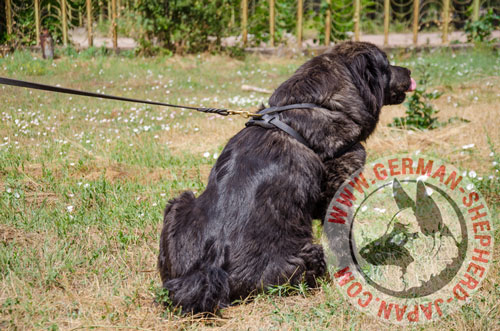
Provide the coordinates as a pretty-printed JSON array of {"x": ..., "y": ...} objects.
[{"x": 243, "y": 113}]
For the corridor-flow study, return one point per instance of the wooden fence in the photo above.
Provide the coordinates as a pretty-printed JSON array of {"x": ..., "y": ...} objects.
[{"x": 439, "y": 13}]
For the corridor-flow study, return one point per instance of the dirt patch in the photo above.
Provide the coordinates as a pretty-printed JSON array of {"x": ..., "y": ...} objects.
[
  {"x": 112, "y": 173},
  {"x": 10, "y": 234},
  {"x": 41, "y": 198}
]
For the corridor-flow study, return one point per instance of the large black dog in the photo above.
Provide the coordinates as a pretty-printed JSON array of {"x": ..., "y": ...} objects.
[{"x": 251, "y": 227}]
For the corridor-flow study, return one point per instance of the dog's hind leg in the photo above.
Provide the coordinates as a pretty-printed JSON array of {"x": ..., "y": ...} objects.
[
  {"x": 192, "y": 267},
  {"x": 308, "y": 264},
  {"x": 171, "y": 221},
  {"x": 314, "y": 258},
  {"x": 205, "y": 286}
]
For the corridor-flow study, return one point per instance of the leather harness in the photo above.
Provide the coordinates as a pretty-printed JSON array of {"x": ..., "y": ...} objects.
[{"x": 270, "y": 119}]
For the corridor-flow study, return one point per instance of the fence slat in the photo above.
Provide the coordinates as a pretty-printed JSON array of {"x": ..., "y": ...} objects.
[
  {"x": 90, "y": 37},
  {"x": 101, "y": 12},
  {"x": 416, "y": 13},
  {"x": 8, "y": 16},
  {"x": 37, "y": 21},
  {"x": 446, "y": 17},
  {"x": 271, "y": 23},
  {"x": 244, "y": 22},
  {"x": 114, "y": 26},
  {"x": 64, "y": 20},
  {"x": 475, "y": 10},
  {"x": 300, "y": 14},
  {"x": 387, "y": 12},
  {"x": 357, "y": 8},
  {"x": 328, "y": 23}
]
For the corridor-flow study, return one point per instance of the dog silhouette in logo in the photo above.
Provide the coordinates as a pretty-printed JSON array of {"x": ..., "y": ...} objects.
[{"x": 389, "y": 248}]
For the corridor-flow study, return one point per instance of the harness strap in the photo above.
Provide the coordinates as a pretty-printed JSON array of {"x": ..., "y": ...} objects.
[
  {"x": 270, "y": 119},
  {"x": 272, "y": 110}
]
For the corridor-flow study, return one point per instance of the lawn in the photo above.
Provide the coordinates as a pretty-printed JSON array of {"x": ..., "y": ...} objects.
[{"x": 83, "y": 183}]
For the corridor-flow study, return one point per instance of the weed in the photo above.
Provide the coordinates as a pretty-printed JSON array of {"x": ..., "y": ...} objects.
[
  {"x": 161, "y": 296},
  {"x": 420, "y": 112},
  {"x": 288, "y": 289}
]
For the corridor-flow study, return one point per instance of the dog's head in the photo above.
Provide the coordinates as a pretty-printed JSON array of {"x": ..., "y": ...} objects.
[
  {"x": 348, "y": 71},
  {"x": 353, "y": 78},
  {"x": 378, "y": 82}
]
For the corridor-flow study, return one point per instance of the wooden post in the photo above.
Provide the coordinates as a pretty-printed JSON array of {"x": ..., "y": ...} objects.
[
  {"x": 446, "y": 17},
  {"x": 109, "y": 10},
  {"x": 114, "y": 26},
  {"x": 80, "y": 17},
  {"x": 475, "y": 10},
  {"x": 70, "y": 13},
  {"x": 101, "y": 12},
  {"x": 244, "y": 22},
  {"x": 233, "y": 18},
  {"x": 37, "y": 21},
  {"x": 64, "y": 22},
  {"x": 90, "y": 37},
  {"x": 387, "y": 13},
  {"x": 271, "y": 23},
  {"x": 300, "y": 14},
  {"x": 328, "y": 23},
  {"x": 8, "y": 16},
  {"x": 416, "y": 13},
  {"x": 357, "y": 9}
]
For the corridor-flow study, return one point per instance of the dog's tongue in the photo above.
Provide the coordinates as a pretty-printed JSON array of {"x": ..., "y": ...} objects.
[{"x": 413, "y": 85}]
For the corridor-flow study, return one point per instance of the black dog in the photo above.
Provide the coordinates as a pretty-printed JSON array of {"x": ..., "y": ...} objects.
[{"x": 251, "y": 227}]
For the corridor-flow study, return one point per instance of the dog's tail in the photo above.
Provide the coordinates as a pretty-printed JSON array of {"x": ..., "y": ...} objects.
[{"x": 205, "y": 287}]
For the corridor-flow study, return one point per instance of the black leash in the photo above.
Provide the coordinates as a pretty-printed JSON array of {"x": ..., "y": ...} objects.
[
  {"x": 267, "y": 118},
  {"x": 49, "y": 88}
]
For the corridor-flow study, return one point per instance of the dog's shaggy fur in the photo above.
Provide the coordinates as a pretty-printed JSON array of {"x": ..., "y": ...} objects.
[{"x": 251, "y": 227}]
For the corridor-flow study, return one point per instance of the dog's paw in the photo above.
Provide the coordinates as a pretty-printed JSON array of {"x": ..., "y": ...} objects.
[{"x": 314, "y": 259}]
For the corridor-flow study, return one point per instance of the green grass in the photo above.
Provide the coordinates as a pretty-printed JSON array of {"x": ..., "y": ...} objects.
[
  {"x": 83, "y": 184},
  {"x": 451, "y": 68}
]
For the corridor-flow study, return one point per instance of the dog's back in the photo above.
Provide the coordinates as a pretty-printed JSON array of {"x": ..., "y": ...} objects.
[{"x": 233, "y": 239}]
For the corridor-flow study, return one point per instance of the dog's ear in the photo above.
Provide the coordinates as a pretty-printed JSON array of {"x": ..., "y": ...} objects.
[{"x": 367, "y": 76}]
